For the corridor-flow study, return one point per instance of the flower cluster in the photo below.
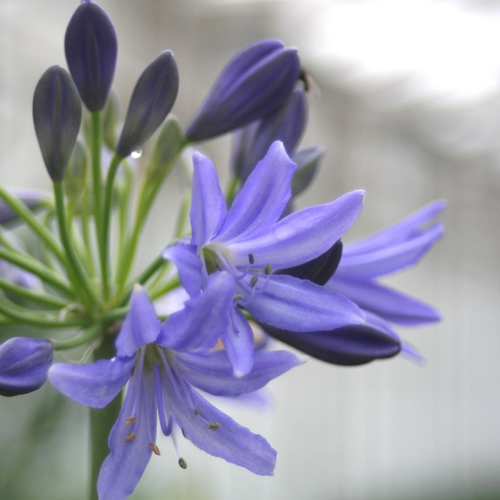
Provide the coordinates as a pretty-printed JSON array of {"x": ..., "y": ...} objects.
[{"x": 246, "y": 263}]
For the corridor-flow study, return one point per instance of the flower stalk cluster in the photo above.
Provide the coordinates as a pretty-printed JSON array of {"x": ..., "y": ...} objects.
[{"x": 242, "y": 267}]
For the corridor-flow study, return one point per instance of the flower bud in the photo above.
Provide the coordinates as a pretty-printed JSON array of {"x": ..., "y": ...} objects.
[
  {"x": 168, "y": 144},
  {"x": 76, "y": 174},
  {"x": 153, "y": 98},
  {"x": 57, "y": 113},
  {"x": 91, "y": 51},
  {"x": 32, "y": 198},
  {"x": 286, "y": 124},
  {"x": 255, "y": 83},
  {"x": 24, "y": 363},
  {"x": 308, "y": 161}
]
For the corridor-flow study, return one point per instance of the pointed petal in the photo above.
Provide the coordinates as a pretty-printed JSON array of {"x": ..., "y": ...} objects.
[
  {"x": 198, "y": 326},
  {"x": 230, "y": 441},
  {"x": 93, "y": 385},
  {"x": 300, "y": 305},
  {"x": 213, "y": 373},
  {"x": 238, "y": 340},
  {"x": 262, "y": 198},
  {"x": 208, "y": 206},
  {"x": 348, "y": 346},
  {"x": 124, "y": 466},
  {"x": 300, "y": 237},
  {"x": 406, "y": 229},
  {"x": 390, "y": 258},
  {"x": 141, "y": 326},
  {"x": 389, "y": 304},
  {"x": 188, "y": 265}
]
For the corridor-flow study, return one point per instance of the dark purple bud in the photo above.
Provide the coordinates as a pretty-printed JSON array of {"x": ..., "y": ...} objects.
[
  {"x": 349, "y": 346},
  {"x": 24, "y": 363},
  {"x": 308, "y": 161},
  {"x": 286, "y": 124},
  {"x": 57, "y": 113},
  {"x": 91, "y": 51},
  {"x": 254, "y": 84},
  {"x": 320, "y": 269},
  {"x": 32, "y": 198},
  {"x": 153, "y": 98}
]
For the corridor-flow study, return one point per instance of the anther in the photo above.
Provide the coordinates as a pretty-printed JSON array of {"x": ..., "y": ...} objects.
[
  {"x": 183, "y": 463},
  {"x": 251, "y": 258},
  {"x": 196, "y": 412},
  {"x": 130, "y": 420},
  {"x": 214, "y": 426},
  {"x": 218, "y": 265},
  {"x": 154, "y": 448},
  {"x": 254, "y": 280},
  {"x": 268, "y": 269},
  {"x": 237, "y": 297},
  {"x": 130, "y": 436}
]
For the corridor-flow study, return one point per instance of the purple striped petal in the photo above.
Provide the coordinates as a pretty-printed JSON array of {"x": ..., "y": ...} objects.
[{"x": 188, "y": 265}]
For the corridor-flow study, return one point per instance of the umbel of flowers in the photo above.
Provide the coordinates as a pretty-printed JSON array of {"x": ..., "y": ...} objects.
[{"x": 242, "y": 260}]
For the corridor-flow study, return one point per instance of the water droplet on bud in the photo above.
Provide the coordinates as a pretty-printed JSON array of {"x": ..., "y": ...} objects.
[{"x": 136, "y": 153}]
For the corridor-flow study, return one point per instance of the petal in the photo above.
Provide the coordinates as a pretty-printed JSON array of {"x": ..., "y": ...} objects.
[
  {"x": 403, "y": 230},
  {"x": 141, "y": 326},
  {"x": 198, "y": 326},
  {"x": 300, "y": 305},
  {"x": 230, "y": 441},
  {"x": 93, "y": 385},
  {"x": 389, "y": 304},
  {"x": 124, "y": 466},
  {"x": 188, "y": 265},
  {"x": 208, "y": 206},
  {"x": 213, "y": 373},
  {"x": 263, "y": 197},
  {"x": 391, "y": 258},
  {"x": 238, "y": 340},
  {"x": 349, "y": 346},
  {"x": 302, "y": 236}
]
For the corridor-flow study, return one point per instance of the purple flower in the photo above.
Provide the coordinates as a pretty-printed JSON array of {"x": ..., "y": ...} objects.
[
  {"x": 24, "y": 364},
  {"x": 91, "y": 51},
  {"x": 255, "y": 83},
  {"x": 162, "y": 382},
  {"x": 249, "y": 243}
]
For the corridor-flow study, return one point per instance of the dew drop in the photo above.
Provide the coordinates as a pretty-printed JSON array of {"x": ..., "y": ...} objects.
[{"x": 136, "y": 153}]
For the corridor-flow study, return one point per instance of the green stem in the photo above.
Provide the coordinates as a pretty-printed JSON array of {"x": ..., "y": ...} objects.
[
  {"x": 96, "y": 171},
  {"x": 84, "y": 216},
  {"x": 75, "y": 270},
  {"x": 124, "y": 212},
  {"x": 87, "y": 336},
  {"x": 102, "y": 421},
  {"x": 113, "y": 168},
  {"x": 37, "y": 297},
  {"x": 231, "y": 190},
  {"x": 171, "y": 284}
]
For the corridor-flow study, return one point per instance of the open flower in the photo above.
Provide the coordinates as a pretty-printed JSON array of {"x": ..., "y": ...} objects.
[
  {"x": 249, "y": 243},
  {"x": 161, "y": 384}
]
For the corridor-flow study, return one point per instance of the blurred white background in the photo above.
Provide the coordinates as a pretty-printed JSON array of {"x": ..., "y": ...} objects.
[{"x": 410, "y": 111}]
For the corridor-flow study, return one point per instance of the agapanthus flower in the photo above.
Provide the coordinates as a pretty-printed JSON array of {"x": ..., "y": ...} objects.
[
  {"x": 161, "y": 384},
  {"x": 249, "y": 243},
  {"x": 24, "y": 363},
  {"x": 355, "y": 276}
]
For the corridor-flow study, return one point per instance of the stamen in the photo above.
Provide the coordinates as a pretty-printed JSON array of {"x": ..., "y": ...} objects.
[
  {"x": 232, "y": 271},
  {"x": 154, "y": 448},
  {"x": 214, "y": 426},
  {"x": 253, "y": 281},
  {"x": 196, "y": 412},
  {"x": 268, "y": 269},
  {"x": 251, "y": 258},
  {"x": 237, "y": 297},
  {"x": 183, "y": 463},
  {"x": 130, "y": 420},
  {"x": 218, "y": 265},
  {"x": 162, "y": 412},
  {"x": 130, "y": 436}
]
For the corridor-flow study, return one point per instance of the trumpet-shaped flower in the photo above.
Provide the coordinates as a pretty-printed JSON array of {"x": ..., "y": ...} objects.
[
  {"x": 162, "y": 384},
  {"x": 250, "y": 243}
]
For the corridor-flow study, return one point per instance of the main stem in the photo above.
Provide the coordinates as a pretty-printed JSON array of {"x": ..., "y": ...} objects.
[
  {"x": 96, "y": 173},
  {"x": 102, "y": 421}
]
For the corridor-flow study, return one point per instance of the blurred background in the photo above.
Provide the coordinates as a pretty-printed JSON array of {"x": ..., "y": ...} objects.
[{"x": 410, "y": 111}]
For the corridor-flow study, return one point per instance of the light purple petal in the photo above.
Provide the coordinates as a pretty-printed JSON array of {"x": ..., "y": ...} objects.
[
  {"x": 208, "y": 206},
  {"x": 213, "y": 373},
  {"x": 124, "y": 466},
  {"x": 198, "y": 326},
  {"x": 390, "y": 258},
  {"x": 141, "y": 326},
  {"x": 391, "y": 305},
  {"x": 93, "y": 385},
  {"x": 407, "y": 228},
  {"x": 238, "y": 340},
  {"x": 262, "y": 198},
  {"x": 302, "y": 236},
  {"x": 188, "y": 266},
  {"x": 301, "y": 306}
]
